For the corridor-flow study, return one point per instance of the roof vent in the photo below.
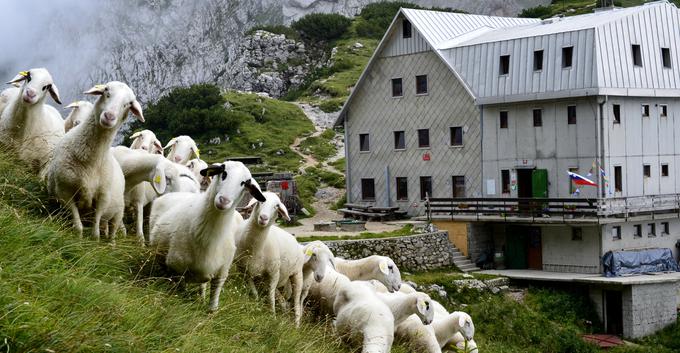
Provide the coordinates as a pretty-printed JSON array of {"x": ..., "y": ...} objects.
[{"x": 550, "y": 20}]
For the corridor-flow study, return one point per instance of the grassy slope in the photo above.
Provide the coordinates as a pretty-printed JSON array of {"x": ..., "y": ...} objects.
[
  {"x": 579, "y": 7},
  {"x": 68, "y": 295},
  {"x": 274, "y": 123}
]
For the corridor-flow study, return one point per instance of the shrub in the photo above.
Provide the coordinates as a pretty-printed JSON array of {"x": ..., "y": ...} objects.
[
  {"x": 375, "y": 18},
  {"x": 196, "y": 111},
  {"x": 322, "y": 26},
  {"x": 536, "y": 12}
]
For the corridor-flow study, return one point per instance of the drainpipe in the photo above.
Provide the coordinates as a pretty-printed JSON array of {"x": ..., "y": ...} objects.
[
  {"x": 481, "y": 146},
  {"x": 348, "y": 179},
  {"x": 600, "y": 143}
]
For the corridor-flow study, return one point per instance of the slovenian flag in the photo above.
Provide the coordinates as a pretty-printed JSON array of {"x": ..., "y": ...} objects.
[{"x": 580, "y": 180}]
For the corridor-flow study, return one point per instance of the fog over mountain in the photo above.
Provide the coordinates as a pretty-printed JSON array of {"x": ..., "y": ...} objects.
[{"x": 154, "y": 45}]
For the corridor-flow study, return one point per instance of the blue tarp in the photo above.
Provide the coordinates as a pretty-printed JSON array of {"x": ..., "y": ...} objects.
[{"x": 628, "y": 262}]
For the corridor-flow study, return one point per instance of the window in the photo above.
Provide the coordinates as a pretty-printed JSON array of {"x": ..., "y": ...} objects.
[
  {"x": 571, "y": 115},
  {"x": 576, "y": 233},
  {"x": 616, "y": 232},
  {"x": 647, "y": 170},
  {"x": 666, "y": 57},
  {"x": 421, "y": 84},
  {"x": 367, "y": 189},
  {"x": 504, "y": 66},
  {"x": 567, "y": 54},
  {"x": 425, "y": 187},
  {"x": 399, "y": 140},
  {"x": 645, "y": 110},
  {"x": 572, "y": 186},
  {"x": 458, "y": 183},
  {"x": 505, "y": 181},
  {"x": 406, "y": 28},
  {"x": 424, "y": 138},
  {"x": 364, "y": 144},
  {"x": 402, "y": 188},
  {"x": 618, "y": 179},
  {"x": 538, "y": 117},
  {"x": 665, "y": 228},
  {"x": 651, "y": 229},
  {"x": 397, "y": 90},
  {"x": 637, "y": 231},
  {"x": 664, "y": 170},
  {"x": 538, "y": 60},
  {"x": 504, "y": 120},
  {"x": 617, "y": 113},
  {"x": 456, "y": 136},
  {"x": 663, "y": 110},
  {"x": 637, "y": 55}
]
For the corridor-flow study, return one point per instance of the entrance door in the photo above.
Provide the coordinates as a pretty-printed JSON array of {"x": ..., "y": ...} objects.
[
  {"x": 613, "y": 312},
  {"x": 534, "y": 249},
  {"x": 539, "y": 183},
  {"x": 524, "y": 183},
  {"x": 516, "y": 248}
]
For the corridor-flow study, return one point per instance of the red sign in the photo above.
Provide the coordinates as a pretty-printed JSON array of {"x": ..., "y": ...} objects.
[
  {"x": 284, "y": 185},
  {"x": 426, "y": 156}
]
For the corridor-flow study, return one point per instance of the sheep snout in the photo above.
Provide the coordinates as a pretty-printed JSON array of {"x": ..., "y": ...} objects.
[
  {"x": 263, "y": 220},
  {"x": 108, "y": 119},
  {"x": 29, "y": 95},
  {"x": 222, "y": 203}
]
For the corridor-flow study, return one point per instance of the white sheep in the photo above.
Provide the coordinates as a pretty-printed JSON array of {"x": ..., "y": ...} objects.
[
  {"x": 404, "y": 305},
  {"x": 324, "y": 293},
  {"x": 270, "y": 254},
  {"x": 362, "y": 318},
  {"x": 419, "y": 337},
  {"x": 197, "y": 235},
  {"x": 317, "y": 258},
  {"x": 83, "y": 174},
  {"x": 29, "y": 125},
  {"x": 377, "y": 267},
  {"x": 80, "y": 110},
  {"x": 7, "y": 95},
  {"x": 146, "y": 140},
  {"x": 456, "y": 327},
  {"x": 196, "y": 165},
  {"x": 182, "y": 149}
]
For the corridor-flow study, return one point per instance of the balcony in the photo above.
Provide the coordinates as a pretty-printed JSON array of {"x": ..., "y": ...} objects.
[{"x": 552, "y": 210}]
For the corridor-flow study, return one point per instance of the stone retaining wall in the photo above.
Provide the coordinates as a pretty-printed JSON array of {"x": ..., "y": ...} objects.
[{"x": 419, "y": 252}]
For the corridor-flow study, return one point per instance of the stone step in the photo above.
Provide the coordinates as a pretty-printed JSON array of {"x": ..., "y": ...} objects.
[
  {"x": 469, "y": 268},
  {"x": 459, "y": 258}
]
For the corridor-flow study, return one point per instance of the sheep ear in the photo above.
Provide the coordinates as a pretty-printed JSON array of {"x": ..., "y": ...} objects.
[
  {"x": 422, "y": 306},
  {"x": 213, "y": 170},
  {"x": 283, "y": 212},
  {"x": 383, "y": 267},
  {"x": 171, "y": 143},
  {"x": 196, "y": 151},
  {"x": 136, "y": 110},
  {"x": 97, "y": 90},
  {"x": 309, "y": 251},
  {"x": 159, "y": 184},
  {"x": 158, "y": 145},
  {"x": 74, "y": 105},
  {"x": 461, "y": 321},
  {"x": 254, "y": 190},
  {"x": 136, "y": 134},
  {"x": 54, "y": 92},
  {"x": 21, "y": 76},
  {"x": 250, "y": 206}
]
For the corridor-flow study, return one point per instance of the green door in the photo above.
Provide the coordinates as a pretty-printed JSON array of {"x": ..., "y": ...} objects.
[
  {"x": 516, "y": 248},
  {"x": 539, "y": 183}
]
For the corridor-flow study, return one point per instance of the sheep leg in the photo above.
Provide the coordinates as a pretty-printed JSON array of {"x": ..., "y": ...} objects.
[
  {"x": 296, "y": 282},
  {"x": 140, "y": 222},
  {"x": 115, "y": 225},
  {"x": 204, "y": 289},
  {"x": 273, "y": 283},
  {"x": 253, "y": 287},
  {"x": 97, "y": 223},
  {"x": 77, "y": 223},
  {"x": 216, "y": 285}
]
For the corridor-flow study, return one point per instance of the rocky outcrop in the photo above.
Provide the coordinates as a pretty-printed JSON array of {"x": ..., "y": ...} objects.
[
  {"x": 271, "y": 63},
  {"x": 294, "y": 9}
]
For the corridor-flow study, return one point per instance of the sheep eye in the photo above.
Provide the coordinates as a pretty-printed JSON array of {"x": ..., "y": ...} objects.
[
  {"x": 45, "y": 87},
  {"x": 224, "y": 175}
]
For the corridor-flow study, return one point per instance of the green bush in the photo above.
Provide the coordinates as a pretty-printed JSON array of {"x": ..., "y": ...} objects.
[
  {"x": 375, "y": 18},
  {"x": 196, "y": 111},
  {"x": 322, "y": 26},
  {"x": 536, "y": 12}
]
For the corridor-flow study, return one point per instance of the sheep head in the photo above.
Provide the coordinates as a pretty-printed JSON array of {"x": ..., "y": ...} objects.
[
  {"x": 389, "y": 274},
  {"x": 143, "y": 140},
  {"x": 80, "y": 110},
  {"x": 424, "y": 307},
  {"x": 115, "y": 101},
  {"x": 196, "y": 165},
  {"x": 230, "y": 180},
  {"x": 182, "y": 149},
  {"x": 318, "y": 256},
  {"x": 465, "y": 324},
  {"x": 36, "y": 83},
  {"x": 267, "y": 211}
]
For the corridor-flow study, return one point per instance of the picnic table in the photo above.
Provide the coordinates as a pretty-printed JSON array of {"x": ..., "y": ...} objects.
[{"x": 368, "y": 212}]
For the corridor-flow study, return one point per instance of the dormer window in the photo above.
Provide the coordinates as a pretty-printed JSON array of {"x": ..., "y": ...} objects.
[
  {"x": 637, "y": 55},
  {"x": 406, "y": 28},
  {"x": 504, "y": 65},
  {"x": 567, "y": 56}
]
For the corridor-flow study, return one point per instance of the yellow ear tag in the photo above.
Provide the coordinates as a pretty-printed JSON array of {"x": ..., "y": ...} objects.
[
  {"x": 309, "y": 251},
  {"x": 421, "y": 306},
  {"x": 23, "y": 73},
  {"x": 157, "y": 179},
  {"x": 198, "y": 153}
]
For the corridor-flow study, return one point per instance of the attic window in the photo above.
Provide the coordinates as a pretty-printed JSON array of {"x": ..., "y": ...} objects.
[
  {"x": 567, "y": 55},
  {"x": 504, "y": 66},
  {"x": 406, "y": 28},
  {"x": 666, "y": 57},
  {"x": 538, "y": 60},
  {"x": 637, "y": 55}
]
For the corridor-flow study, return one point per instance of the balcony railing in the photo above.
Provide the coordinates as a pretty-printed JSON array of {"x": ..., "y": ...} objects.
[{"x": 552, "y": 208}]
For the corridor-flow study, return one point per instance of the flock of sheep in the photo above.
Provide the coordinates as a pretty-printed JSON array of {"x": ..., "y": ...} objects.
[{"x": 194, "y": 220}]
